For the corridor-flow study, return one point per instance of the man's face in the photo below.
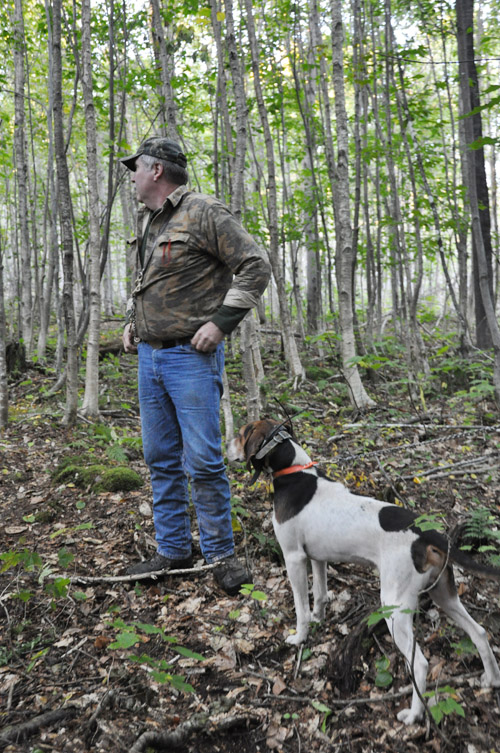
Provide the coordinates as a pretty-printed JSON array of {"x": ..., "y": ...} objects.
[{"x": 143, "y": 177}]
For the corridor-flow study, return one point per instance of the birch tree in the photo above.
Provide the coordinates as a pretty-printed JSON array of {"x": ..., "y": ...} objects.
[
  {"x": 248, "y": 328},
  {"x": 161, "y": 45},
  {"x": 4, "y": 388},
  {"x": 90, "y": 405},
  {"x": 22, "y": 176},
  {"x": 65, "y": 212},
  {"x": 344, "y": 254},
  {"x": 290, "y": 346}
]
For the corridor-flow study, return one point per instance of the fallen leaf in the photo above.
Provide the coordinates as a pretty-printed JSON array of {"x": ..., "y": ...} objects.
[
  {"x": 276, "y": 735},
  {"x": 436, "y": 671},
  {"x": 14, "y": 530},
  {"x": 244, "y": 646},
  {"x": 37, "y": 500},
  {"x": 102, "y": 641},
  {"x": 237, "y": 691},
  {"x": 64, "y": 641},
  {"x": 279, "y": 686}
]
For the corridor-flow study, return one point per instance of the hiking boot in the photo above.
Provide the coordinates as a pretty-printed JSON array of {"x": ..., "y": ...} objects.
[
  {"x": 230, "y": 575},
  {"x": 159, "y": 562}
]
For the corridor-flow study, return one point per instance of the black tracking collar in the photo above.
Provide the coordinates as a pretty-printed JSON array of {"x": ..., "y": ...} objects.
[{"x": 278, "y": 435}]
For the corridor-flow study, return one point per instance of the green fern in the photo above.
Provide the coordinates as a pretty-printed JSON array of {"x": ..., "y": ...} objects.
[{"x": 480, "y": 529}]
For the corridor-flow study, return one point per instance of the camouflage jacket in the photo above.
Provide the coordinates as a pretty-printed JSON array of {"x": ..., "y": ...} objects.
[{"x": 197, "y": 257}]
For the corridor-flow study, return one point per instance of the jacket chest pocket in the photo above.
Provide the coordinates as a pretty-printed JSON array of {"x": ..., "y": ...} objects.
[{"x": 170, "y": 248}]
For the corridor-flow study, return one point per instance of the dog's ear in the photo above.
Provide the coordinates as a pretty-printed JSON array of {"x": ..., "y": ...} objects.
[
  {"x": 252, "y": 445},
  {"x": 253, "y": 437}
]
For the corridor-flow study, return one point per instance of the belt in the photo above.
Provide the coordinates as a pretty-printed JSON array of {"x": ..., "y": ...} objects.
[{"x": 163, "y": 344}]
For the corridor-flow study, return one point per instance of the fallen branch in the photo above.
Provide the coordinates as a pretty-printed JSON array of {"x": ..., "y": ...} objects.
[
  {"x": 204, "y": 721},
  {"x": 451, "y": 467},
  {"x": 90, "y": 727},
  {"x": 456, "y": 682},
  {"x": 87, "y": 580},
  {"x": 21, "y": 732}
]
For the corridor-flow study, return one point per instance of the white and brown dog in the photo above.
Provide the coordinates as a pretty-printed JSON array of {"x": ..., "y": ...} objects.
[{"x": 319, "y": 519}]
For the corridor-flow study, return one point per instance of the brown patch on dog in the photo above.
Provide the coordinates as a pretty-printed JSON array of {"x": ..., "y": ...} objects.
[
  {"x": 426, "y": 555},
  {"x": 253, "y": 435},
  {"x": 434, "y": 558}
]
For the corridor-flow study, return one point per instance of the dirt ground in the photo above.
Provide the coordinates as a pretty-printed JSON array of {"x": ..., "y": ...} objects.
[{"x": 89, "y": 662}]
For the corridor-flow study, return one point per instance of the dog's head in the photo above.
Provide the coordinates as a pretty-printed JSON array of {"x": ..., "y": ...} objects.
[{"x": 250, "y": 439}]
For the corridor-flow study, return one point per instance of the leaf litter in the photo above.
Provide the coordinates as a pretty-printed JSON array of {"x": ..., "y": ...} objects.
[{"x": 57, "y": 636}]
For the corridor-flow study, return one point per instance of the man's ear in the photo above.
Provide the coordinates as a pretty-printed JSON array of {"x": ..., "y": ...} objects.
[{"x": 157, "y": 170}]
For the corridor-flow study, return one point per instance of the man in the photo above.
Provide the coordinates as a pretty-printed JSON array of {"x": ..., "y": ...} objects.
[{"x": 198, "y": 273}]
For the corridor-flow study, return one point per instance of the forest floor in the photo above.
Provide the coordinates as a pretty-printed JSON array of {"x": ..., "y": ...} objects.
[{"x": 89, "y": 662}]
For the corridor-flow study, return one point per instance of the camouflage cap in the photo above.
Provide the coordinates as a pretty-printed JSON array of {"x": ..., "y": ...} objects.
[{"x": 159, "y": 147}]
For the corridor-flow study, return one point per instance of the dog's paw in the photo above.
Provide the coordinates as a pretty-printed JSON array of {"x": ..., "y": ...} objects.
[
  {"x": 295, "y": 639},
  {"x": 490, "y": 680},
  {"x": 318, "y": 614},
  {"x": 407, "y": 716}
]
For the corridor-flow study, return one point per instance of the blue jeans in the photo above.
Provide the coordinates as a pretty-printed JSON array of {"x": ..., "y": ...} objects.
[{"x": 179, "y": 395}]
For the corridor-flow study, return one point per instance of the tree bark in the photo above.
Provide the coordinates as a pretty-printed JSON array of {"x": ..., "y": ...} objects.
[
  {"x": 241, "y": 114},
  {"x": 4, "y": 389},
  {"x": 344, "y": 253},
  {"x": 22, "y": 177},
  {"x": 476, "y": 171},
  {"x": 166, "y": 72},
  {"x": 65, "y": 214},
  {"x": 475, "y": 187},
  {"x": 290, "y": 346},
  {"x": 90, "y": 407}
]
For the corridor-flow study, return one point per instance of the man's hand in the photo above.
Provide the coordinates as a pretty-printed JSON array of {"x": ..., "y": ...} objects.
[
  {"x": 129, "y": 345},
  {"x": 207, "y": 338}
]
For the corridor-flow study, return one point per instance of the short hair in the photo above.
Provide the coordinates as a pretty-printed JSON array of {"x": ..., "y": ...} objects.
[{"x": 172, "y": 172}]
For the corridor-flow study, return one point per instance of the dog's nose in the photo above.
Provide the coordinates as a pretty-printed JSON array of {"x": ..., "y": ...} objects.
[{"x": 234, "y": 453}]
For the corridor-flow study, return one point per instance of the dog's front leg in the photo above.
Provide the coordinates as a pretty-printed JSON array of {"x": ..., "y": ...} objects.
[{"x": 296, "y": 567}]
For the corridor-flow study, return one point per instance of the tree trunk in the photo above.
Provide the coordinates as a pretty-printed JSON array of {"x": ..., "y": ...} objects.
[
  {"x": 475, "y": 188},
  {"x": 90, "y": 407},
  {"x": 4, "y": 388},
  {"x": 65, "y": 214},
  {"x": 290, "y": 346},
  {"x": 166, "y": 72},
  {"x": 248, "y": 335},
  {"x": 241, "y": 114},
  {"x": 248, "y": 327},
  {"x": 22, "y": 177},
  {"x": 50, "y": 209},
  {"x": 469, "y": 94},
  {"x": 344, "y": 253},
  {"x": 223, "y": 158}
]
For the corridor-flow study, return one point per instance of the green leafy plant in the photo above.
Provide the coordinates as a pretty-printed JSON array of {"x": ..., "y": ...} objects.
[
  {"x": 383, "y": 677},
  {"x": 57, "y": 588},
  {"x": 248, "y": 589},
  {"x": 464, "y": 647},
  {"x": 446, "y": 706},
  {"x": 383, "y": 613},
  {"x": 429, "y": 522},
  {"x": 160, "y": 672},
  {"x": 481, "y": 530},
  {"x": 324, "y": 710},
  {"x": 129, "y": 635}
]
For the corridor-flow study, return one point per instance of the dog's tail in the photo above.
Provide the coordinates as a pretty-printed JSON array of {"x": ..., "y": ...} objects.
[
  {"x": 462, "y": 559},
  {"x": 433, "y": 548}
]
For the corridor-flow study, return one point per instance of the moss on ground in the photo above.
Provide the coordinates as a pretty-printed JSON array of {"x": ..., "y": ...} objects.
[{"x": 99, "y": 477}]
